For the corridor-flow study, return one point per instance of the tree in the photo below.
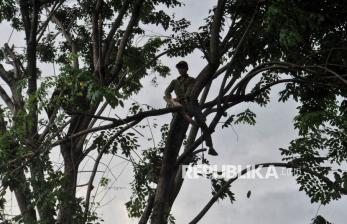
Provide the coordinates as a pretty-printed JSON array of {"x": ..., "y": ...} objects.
[
  {"x": 92, "y": 69},
  {"x": 300, "y": 44}
]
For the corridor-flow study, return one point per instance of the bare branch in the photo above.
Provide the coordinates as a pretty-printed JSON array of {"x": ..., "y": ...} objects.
[
  {"x": 5, "y": 75},
  {"x": 6, "y": 99},
  {"x": 96, "y": 40},
  {"x": 230, "y": 31},
  {"x": 340, "y": 77},
  {"x": 41, "y": 30},
  {"x": 103, "y": 107},
  {"x": 15, "y": 62},
  {"x": 278, "y": 65}
]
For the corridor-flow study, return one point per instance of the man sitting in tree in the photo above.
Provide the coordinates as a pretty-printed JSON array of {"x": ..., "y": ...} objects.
[{"x": 182, "y": 87}]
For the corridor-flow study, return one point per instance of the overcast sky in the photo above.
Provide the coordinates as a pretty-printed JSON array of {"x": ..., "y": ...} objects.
[{"x": 272, "y": 201}]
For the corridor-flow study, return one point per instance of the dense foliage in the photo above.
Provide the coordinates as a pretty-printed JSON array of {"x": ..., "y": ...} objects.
[{"x": 103, "y": 53}]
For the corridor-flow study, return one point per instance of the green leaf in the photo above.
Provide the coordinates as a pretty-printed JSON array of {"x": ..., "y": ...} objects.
[{"x": 246, "y": 117}]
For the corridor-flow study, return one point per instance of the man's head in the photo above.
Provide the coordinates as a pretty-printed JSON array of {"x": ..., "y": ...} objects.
[{"x": 182, "y": 67}]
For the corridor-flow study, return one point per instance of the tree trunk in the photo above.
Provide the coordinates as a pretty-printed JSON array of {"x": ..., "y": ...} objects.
[
  {"x": 190, "y": 140},
  {"x": 174, "y": 141},
  {"x": 72, "y": 154},
  {"x": 68, "y": 202},
  {"x": 22, "y": 193}
]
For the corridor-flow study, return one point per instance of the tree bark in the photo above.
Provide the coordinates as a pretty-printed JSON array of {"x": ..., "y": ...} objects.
[
  {"x": 22, "y": 193},
  {"x": 72, "y": 152},
  {"x": 174, "y": 141},
  {"x": 68, "y": 204}
]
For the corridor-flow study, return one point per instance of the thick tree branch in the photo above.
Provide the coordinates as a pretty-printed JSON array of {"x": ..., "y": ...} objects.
[
  {"x": 190, "y": 140},
  {"x": 148, "y": 210},
  {"x": 24, "y": 9},
  {"x": 207, "y": 73},
  {"x": 243, "y": 38},
  {"x": 241, "y": 86},
  {"x": 96, "y": 40},
  {"x": 215, "y": 32},
  {"x": 117, "y": 122}
]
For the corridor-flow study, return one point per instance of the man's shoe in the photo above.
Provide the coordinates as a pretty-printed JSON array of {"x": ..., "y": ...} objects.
[{"x": 212, "y": 152}]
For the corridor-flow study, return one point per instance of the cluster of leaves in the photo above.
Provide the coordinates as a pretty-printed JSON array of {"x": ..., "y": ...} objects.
[
  {"x": 160, "y": 17},
  {"x": 307, "y": 33},
  {"x": 321, "y": 124},
  {"x": 14, "y": 155},
  {"x": 146, "y": 176},
  {"x": 303, "y": 32},
  {"x": 134, "y": 66},
  {"x": 260, "y": 45},
  {"x": 263, "y": 96},
  {"x": 134, "y": 55},
  {"x": 245, "y": 117},
  {"x": 320, "y": 220},
  {"x": 302, "y": 25},
  {"x": 46, "y": 49},
  {"x": 183, "y": 44},
  {"x": 126, "y": 142},
  {"x": 216, "y": 186},
  {"x": 7, "y": 10},
  {"x": 79, "y": 88}
]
